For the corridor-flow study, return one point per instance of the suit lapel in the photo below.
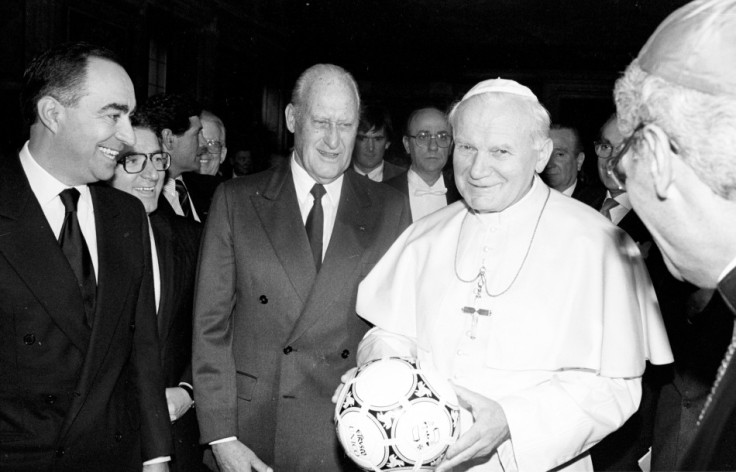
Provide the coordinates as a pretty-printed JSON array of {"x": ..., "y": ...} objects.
[
  {"x": 355, "y": 223},
  {"x": 29, "y": 245},
  {"x": 278, "y": 209},
  {"x": 167, "y": 267}
]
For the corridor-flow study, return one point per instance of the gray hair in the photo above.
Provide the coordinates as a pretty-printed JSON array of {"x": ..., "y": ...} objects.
[
  {"x": 539, "y": 119},
  {"x": 702, "y": 126},
  {"x": 207, "y": 115},
  {"x": 314, "y": 73}
]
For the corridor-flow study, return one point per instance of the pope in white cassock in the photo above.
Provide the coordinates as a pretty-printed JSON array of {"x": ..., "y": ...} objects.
[{"x": 537, "y": 308}]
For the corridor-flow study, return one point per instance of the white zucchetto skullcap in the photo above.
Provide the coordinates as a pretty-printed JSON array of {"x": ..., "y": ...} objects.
[{"x": 502, "y": 86}]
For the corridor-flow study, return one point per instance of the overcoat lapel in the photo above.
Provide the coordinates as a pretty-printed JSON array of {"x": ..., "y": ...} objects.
[
  {"x": 114, "y": 287},
  {"x": 278, "y": 209},
  {"x": 355, "y": 223},
  {"x": 29, "y": 245}
]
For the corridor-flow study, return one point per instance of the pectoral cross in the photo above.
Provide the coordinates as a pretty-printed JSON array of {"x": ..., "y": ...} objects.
[{"x": 475, "y": 312}]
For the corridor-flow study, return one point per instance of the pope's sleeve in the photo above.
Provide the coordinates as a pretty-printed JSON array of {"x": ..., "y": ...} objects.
[
  {"x": 387, "y": 296},
  {"x": 554, "y": 422},
  {"x": 213, "y": 363}
]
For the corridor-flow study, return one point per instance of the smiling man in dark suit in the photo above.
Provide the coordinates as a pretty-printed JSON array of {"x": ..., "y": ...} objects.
[
  {"x": 80, "y": 384},
  {"x": 282, "y": 254}
]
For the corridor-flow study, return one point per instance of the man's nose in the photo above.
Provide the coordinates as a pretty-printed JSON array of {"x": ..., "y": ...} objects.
[
  {"x": 125, "y": 132},
  {"x": 371, "y": 144},
  {"x": 149, "y": 171},
  {"x": 480, "y": 167},
  {"x": 332, "y": 136},
  {"x": 432, "y": 144}
]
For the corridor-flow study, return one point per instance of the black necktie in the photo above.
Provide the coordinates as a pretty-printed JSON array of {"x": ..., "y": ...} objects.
[
  {"x": 315, "y": 222},
  {"x": 181, "y": 189},
  {"x": 75, "y": 249}
]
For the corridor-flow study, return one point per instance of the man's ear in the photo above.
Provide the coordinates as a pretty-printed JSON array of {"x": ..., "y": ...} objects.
[
  {"x": 661, "y": 159},
  {"x": 223, "y": 154},
  {"x": 50, "y": 112},
  {"x": 167, "y": 139},
  {"x": 580, "y": 159},
  {"x": 405, "y": 140},
  {"x": 388, "y": 143},
  {"x": 544, "y": 154},
  {"x": 290, "y": 113}
]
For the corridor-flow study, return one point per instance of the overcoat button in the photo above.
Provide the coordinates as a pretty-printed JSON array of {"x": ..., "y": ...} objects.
[
  {"x": 287, "y": 350},
  {"x": 60, "y": 452},
  {"x": 29, "y": 339},
  {"x": 263, "y": 299},
  {"x": 50, "y": 399},
  {"x": 345, "y": 354},
  {"x": 118, "y": 437}
]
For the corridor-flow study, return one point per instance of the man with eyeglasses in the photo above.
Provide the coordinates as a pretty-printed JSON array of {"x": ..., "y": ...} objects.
[
  {"x": 141, "y": 172},
  {"x": 212, "y": 145},
  {"x": 372, "y": 142},
  {"x": 677, "y": 108},
  {"x": 427, "y": 141}
]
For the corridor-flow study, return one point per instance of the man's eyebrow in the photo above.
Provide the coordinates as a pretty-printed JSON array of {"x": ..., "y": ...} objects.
[{"x": 115, "y": 106}]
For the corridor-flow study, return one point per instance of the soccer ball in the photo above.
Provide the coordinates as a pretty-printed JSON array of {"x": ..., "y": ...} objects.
[{"x": 396, "y": 416}]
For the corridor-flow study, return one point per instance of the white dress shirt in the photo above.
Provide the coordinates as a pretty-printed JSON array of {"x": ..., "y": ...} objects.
[
  {"x": 375, "y": 174},
  {"x": 425, "y": 199},
  {"x": 303, "y": 184},
  {"x": 47, "y": 188},
  {"x": 172, "y": 196}
]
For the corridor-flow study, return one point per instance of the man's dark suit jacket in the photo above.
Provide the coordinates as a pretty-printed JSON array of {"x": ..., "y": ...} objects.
[
  {"x": 391, "y": 170},
  {"x": 177, "y": 246},
  {"x": 591, "y": 195},
  {"x": 401, "y": 183},
  {"x": 271, "y": 336},
  {"x": 74, "y": 398},
  {"x": 713, "y": 447}
]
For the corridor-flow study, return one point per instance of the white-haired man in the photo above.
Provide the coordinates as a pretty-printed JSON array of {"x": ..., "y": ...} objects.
[
  {"x": 498, "y": 293},
  {"x": 677, "y": 109}
]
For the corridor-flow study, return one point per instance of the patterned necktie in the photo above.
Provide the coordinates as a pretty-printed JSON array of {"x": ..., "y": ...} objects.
[
  {"x": 608, "y": 205},
  {"x": 181, "y": 190},
  {"x": 75, "y": 249},
  {"x": 315, "y": 223}
]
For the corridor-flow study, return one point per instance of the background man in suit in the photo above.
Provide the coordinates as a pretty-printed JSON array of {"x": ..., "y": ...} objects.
[
  {"x": 677, "y": 108},
  {"x": 141, "y": 172},
  {"x": 80, "y": 384},
  {"x": 373, "y": 140},
  {"x": 427, "y": 141},
  {"x": 175, "y": 118},
  {"x": 275, "y": 323},
  {"x": 563, "y": 168},
  {"x": 213, "y": 147}
]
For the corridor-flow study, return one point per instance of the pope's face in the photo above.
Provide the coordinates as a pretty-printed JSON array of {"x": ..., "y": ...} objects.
[
  {"x": 564, "y": 163},
  {"x": 92, "y": 133},
  {"x": 612, "y": 136},
  {"x": 324, "y": 130},
  {"x": 495, "y": 160},
  {"x": 147, "y": 184}
]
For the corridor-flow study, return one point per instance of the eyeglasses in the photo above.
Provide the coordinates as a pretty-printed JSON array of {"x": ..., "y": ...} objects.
[
  {"x": 604, "y": 149},
  {"x": 423, "y": 138},
  {"x": 614, "y": 169},
  {"x": 213, "y": 146},
  {"x": 134, "y": 163}
]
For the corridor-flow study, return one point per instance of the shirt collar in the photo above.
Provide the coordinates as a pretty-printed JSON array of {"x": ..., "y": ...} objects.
[
  {"x": 45, "y": 186},
  {"x": 303, "y": 183},
  {"x": 378, "y": 170},
  {"x": 622, "y": 199},
  {"x": 415, "y": 181}
]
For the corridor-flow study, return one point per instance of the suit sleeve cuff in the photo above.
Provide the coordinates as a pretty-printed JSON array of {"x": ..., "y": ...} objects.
[
  {"x": 224, "y": 440},
  {"x": 158, "y": 460}
]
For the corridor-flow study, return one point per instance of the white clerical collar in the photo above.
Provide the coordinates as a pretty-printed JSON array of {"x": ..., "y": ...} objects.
[
  {"x": 416, "y": 182},
  {"x": 375, "y": 174},
  {"x": 303, "y": 183},
  {"x": 622, "y": 199},
  {"x": 45, "y": 186}
]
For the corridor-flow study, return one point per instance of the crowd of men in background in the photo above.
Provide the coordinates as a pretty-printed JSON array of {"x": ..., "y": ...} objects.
[{"x": 201, "y": 315}]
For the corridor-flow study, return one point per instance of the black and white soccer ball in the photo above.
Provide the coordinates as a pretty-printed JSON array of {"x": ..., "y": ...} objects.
[{"x": 396, "y": 416}]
